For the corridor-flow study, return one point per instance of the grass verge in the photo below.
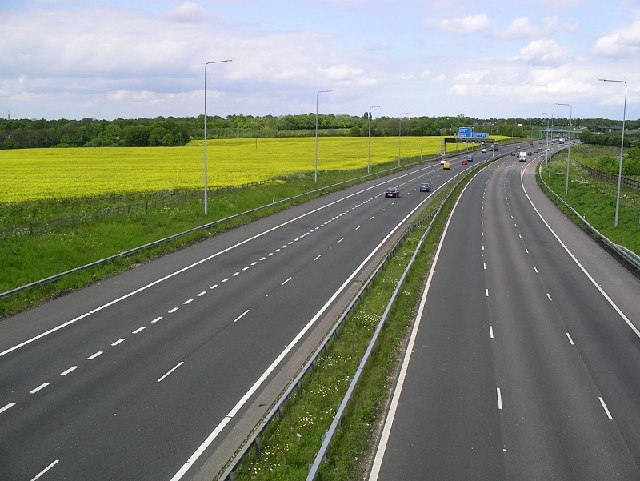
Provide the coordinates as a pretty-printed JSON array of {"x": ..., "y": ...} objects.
[
  {"x": 595, "y": 199},
  {"x": 288, "y": 445}
]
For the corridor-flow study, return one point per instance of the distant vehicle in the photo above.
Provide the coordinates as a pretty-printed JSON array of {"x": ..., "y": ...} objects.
[
  {"x": 392, "y": 192},
  {"x": 425, "y": 187},
  {"x": 561, "y": 140},
  {"x": 464, "y": 162},
  {"x": 446, "y": 166},
  {"x": 494, "y": 147},
  {"x": 513, "y": 153},
  {"x": 522, "y": 156},
  {"x": 484, "y": 151},
  {"x": 469, "y": 158},
  {"x": 442, "y": 162}
]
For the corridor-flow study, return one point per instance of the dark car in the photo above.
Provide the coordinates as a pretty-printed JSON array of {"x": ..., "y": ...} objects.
[
  {"x": 392, "y": 192},
  {"x": 425, "y": 187}
]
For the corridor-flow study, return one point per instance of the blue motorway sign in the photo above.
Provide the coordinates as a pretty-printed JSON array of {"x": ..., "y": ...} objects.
[
  {"x": 464, "y": 132},
  {"x": 480, "y": 135}
]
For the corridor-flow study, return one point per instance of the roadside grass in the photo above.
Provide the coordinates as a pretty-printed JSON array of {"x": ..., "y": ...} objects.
[
  {"x": 29, "y": 258},
  {"x": 289, "y": 445},
  {"x": 595, "y": 200},
  {"x": 603, "y": 158}
]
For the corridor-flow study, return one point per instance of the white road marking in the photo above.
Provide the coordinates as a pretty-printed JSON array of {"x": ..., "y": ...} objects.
[
  {"x": 39, "y": 388},
  {"x": 341, "y": 239},
  {"x": 317, "y": 257},
  {"x": 213, "y": 286},
  {"x": 527, "y": 251},
  {"x": 499, "y": 398},
  {"x": 241, "y": 316},
  {"x": 226, "y": 278},
  {"x": 41, "y": 473},
  {"x": 285, "y": 281},
  {"x": 171, "y": 311},
  {"x": 549, "y": 296},
  {"x": 486, "y": 292},
  {"x": 139, "y": 330},
  {"x": 159, "y": 318},
  {"x": 236, "y": 274},
  {"x": 535, "y": 269},
  {"x": 253, "y": 263},
  {"x": 188, "y": 301},
  {"x": 6, "y": 407},
  {"x": 119, "y": 341},
  {"x": 69, "y": 371},
  {"x": 168, "y": 373},
  {"x": 604, "y": 406},
  {"x": 520, "y": 235},
  {"x": 245, "y": 268},
  {"x": 95, "y": 354},
  {"x": 485, "y": 265},
  {"x": 570, "y": 340},
  {"x": 357, "y": 227},
  {"x": 491, "y": 332},
  {"x": 202, "y": 293},
  {"x": 483, "y": 247}
]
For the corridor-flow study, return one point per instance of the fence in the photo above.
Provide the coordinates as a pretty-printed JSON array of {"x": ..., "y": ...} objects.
[{"x": 626, "y": 181}]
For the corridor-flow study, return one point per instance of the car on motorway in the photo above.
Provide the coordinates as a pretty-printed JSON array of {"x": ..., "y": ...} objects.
[
  {"x": 446, "y": 166},
  {"x": 443, "y": 161},
  {"x": 513, "y": 152},
  {"x": 464, "y": 162},
  {"x": 425, "y": 187},
  {"x": 469, "y": 158},
  {"x": 392, "y": 192},
  {"x": 484, "y": 151}
]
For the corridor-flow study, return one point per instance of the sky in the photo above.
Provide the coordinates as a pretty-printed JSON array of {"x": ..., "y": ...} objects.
[{"x": 111, "y": 59}]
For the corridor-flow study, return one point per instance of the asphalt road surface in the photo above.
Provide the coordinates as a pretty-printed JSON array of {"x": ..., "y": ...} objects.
[
  {"x": 524, "y": 359},
  {"x": 144, "y": 376}
]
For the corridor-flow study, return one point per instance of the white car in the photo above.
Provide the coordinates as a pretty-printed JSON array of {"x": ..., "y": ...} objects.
[
  {"x": 443, "y": 161},
  {"x": 484, "y": 151}
]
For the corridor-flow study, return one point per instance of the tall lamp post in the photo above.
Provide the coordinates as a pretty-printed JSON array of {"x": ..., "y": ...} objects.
[
  {"x": 400, "y": 134},
  {"x": 624, "y": 116},
  {"x": 546, "y": 152},
  {"x": 566, "y": 180},
  {"x": 204, "y": 161},
  {"x": 369, "y": 154},
  {"x": 315, "y": 164}
]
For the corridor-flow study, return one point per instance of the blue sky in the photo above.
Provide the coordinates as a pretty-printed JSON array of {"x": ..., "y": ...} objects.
[{"x": 108, "y": 59}]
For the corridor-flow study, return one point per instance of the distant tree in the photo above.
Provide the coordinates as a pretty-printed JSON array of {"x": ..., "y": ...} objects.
[{"x": 136, "y": 136}]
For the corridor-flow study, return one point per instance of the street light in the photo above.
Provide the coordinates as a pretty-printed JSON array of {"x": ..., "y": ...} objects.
[
  {"x": 369, "y": 154},
  {"x": 566, "y": 180},
  {"x": 204, "y": 162},
  {"x": 624, "y": 116},
  {"x": 400, "y": 133},
  {"x": 546, "y": 152},
  {"x": 315, "y": 172}
]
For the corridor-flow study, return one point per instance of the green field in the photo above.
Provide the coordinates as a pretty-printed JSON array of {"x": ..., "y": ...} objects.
[{"x": 33, "y": 174}]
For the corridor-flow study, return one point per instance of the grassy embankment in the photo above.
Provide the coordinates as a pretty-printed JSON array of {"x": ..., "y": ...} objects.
[
  {"x": 39, "y": 185},
  {"x": 595, "y": 199}
]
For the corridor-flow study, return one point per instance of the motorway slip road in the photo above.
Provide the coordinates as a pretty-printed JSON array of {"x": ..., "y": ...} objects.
[{"x": 524, "y": 359}]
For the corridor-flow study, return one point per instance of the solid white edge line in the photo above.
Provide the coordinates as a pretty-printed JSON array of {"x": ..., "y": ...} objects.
[
  {"x": 593, "y": 281},
  {"x": 393, "y": 406},
  {"x": 223, "y": 423},
  {"x": 41, "y": 473}
]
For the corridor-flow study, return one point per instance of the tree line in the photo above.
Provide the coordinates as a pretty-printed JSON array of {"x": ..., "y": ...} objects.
[{"x": 172, "y": 131}]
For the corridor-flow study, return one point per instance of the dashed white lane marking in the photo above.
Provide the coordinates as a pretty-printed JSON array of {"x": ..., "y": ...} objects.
[
  {"x": 285, "y": 281},
  {"x": 69, "y": 371},
  {"x": 241, "y": 316},
  {"x": 604, "y": 406},
  {"x": 246, "y": 268},
  {"x": 535, "y": 269},
  {"x": 341, "y": 239},
  {"x": 119, "y": 341},
  {"x": 499, "y": 398},
  {"x": 42, "y": 473},
  {"x": 202, "y": 293},
  {"x": 213, "y": 286},
  {"x": 357, "y": 228},
  {"x": 486, "y": 292},
  {"x": 94, "y": 355},
  {"x": 39, "y": 388},
  {"x": 168, "y": 373},
  {"x": 570, "y": 340},
  {"x": 139, "y": 330},
  {"x": 6, "y": 407},
  {"x": 485, "y": 265},
  {"x": 226, "y": 278},
  {"x": 317, "y": 257},
  {"x": 171, "y": 311},
  {"x": 188, "y": 301},
  {"x": 549, "y": 296},
  {"x": 491, "y": 332},
  {"x": 159, "y": 318}
]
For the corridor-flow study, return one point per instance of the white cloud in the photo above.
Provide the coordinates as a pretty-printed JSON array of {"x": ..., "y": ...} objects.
[
  {"x": 544, "y": 52},
  {"x": 523, "y": 28},
  {"x": 187, "y": 12},
  {"x": 462, "y": 25},
  {"x": 624, "y": 42}
]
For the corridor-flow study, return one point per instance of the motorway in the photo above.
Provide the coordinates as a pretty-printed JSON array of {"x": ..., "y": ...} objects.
[
  {"x": 524, "y": 357},
  {"x": 157, "y": 373}
]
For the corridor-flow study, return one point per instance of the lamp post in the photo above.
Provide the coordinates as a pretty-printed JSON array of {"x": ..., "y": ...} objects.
[
  {"x": 546, "y": 152},
  {"x": 400, "y": 134},
  {"x": 369, "y": 154},
  {"x": 315, "y": 171},
  {"x": 624, "y": 116},
  {"x": 566, "y": 180},
  {"x": 204, "y": 161}
]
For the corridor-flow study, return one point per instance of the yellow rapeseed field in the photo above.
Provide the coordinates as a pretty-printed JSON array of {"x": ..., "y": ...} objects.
[{"x": 77, "y": 172}]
